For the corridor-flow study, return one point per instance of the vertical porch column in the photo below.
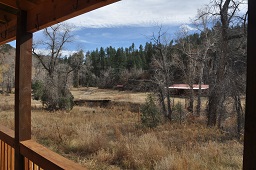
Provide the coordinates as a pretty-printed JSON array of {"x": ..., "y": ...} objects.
[
  {"x": 23, "y": 67},
  {"x": 249, "y": 158}
]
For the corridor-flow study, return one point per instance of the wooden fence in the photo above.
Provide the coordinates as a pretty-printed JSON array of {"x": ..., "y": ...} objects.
[{"x": 36, "y": 156}]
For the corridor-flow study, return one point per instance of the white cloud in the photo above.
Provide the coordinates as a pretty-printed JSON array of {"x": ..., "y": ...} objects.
[
  {"x": 68, "y": 52},
  {"x": 140, "y": 13},
  {"x": 187, "y": 27},
  {"x": 47, "y": 52}
]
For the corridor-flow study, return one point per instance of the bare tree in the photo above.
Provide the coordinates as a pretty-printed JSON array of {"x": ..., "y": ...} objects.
[
  {"x": 227, "y": 14},
  {"x": 55, "y": 38},
  {"x": 76, "y": 62},
  {"x": 7, "y": 67},
  {"x": 88, "y": 78},
  {"x": 162, "y": 68},
  {"x": 38, "y": 71},
  {"x": 237, "y": 76},
  {"x": 56, "y": 93},
  {"x": 208, "y": 40},
  {"x": 186, "y": 59}
]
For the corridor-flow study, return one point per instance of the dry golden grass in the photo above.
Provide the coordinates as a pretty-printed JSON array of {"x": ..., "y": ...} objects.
[
  {"x": 113, "y": 95},
  {"x": 112, "y": 138}
]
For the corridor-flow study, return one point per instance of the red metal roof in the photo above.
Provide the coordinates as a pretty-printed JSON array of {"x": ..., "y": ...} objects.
[{"x": 186, "y": 86}]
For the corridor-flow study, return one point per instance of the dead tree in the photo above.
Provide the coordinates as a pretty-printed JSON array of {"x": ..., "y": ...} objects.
[
  {"x": 207, "y": 44},
  {"x": 226, "y": 13},
  {"x": 186, "y": 59},
  {"x": 162, "y": 70},
  {"x": 55, "y": 83}
]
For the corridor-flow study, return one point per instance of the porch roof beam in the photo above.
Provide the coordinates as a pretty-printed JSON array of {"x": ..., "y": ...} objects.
[{"x": 249, "y": 157}]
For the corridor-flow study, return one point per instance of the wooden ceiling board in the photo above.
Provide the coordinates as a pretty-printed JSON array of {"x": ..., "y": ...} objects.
[
  {"x": 10, "y": 3},
  {"x": 42, "y": 13}
]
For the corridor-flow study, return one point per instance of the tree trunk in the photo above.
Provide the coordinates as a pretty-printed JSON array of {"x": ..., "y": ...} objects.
[
  {"x": 212, "y": 108},
  {"x": 9, "y": 87},
  {"x": 167, "y": 84},
  {"x": 191, "y": 100},
  {"x": 161, "y": 99},
  {"x": 3, "y": 86},
  {"x": 239, "y": 114},
  {"x": 76, "y": 78},
  {"x": 198, "y": 106},
  {"x": 217, "y": 94},
  {"x": 220, "y": 111},
  {"x": 169, "y": 109}
]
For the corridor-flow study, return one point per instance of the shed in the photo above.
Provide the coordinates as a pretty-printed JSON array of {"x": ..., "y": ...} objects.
[{"x": 183, "y": 89}]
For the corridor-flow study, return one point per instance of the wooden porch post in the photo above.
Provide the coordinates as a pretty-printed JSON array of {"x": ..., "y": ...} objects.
[
  {"x": 249, "y": 158},
  {"x": 23, "y": 67}
]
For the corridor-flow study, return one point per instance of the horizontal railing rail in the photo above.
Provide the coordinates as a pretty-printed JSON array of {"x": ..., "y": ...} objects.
[
  {"x": 46, "y": 158},
  {"x": 36, "y": 156},
  {"x": 7, "y": 135}
]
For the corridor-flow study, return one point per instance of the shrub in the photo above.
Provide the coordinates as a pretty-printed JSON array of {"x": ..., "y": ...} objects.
[
  {"x": 151, "y": 116},
  {"x": 53, "y": 97},
  {"x": 178, "y": 112},
  {"x": 37, "y": 88},
  {"x": 66, "y": 102}
]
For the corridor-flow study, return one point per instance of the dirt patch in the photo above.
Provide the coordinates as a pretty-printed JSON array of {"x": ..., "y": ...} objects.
[
  {"x": 108, "y": 104},
  {"x": 93, "y": 93}
]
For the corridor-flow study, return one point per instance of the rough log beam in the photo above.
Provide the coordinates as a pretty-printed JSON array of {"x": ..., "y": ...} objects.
[
  {"x": 8, "y": 32},
  {"x": 9, "y": 3},
  {"x": 8, "y": 9},
  {"x": 52, "y": 12},
  {"x": 249, "y": 158},
  {"x": 23, "y": 69}
]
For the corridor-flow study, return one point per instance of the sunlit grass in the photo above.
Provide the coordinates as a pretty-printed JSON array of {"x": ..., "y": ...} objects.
[{"x": 113, "y": 138}]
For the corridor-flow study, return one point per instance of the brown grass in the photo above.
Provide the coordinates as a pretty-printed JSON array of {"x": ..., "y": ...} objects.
[
  {"x": 112, "y": 138},
  {"x": 113, "y": 95}
]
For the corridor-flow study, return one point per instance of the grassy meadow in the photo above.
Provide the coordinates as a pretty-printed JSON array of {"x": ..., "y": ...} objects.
[{"x": 113, "y": 137}]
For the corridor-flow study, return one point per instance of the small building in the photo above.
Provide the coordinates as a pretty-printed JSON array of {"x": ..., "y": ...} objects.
[
  {"x": 119, "y": 87},
  {"x": 183, "y": 89}
]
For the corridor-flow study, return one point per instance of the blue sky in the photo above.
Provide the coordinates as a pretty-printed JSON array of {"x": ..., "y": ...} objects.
[
  {"x": 129, "y": 21},
  {"x": 123, "y": 36}
]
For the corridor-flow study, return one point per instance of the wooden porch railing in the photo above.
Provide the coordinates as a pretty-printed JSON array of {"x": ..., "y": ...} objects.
[
  {"x": 36, "y": 156},
  {"x": 6, "y": 149}
]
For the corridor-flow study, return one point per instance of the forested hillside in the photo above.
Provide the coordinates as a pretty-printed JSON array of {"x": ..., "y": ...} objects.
[{"x": 7, "y": 66}]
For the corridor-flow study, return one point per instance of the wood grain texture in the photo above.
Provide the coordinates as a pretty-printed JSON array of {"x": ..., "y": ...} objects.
[
  {"x": 7, "y": 135},
  {"x": 249, "y": 157},
  {"x": 46, "y": 158},
  {"x": 44, "y": 13}
]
